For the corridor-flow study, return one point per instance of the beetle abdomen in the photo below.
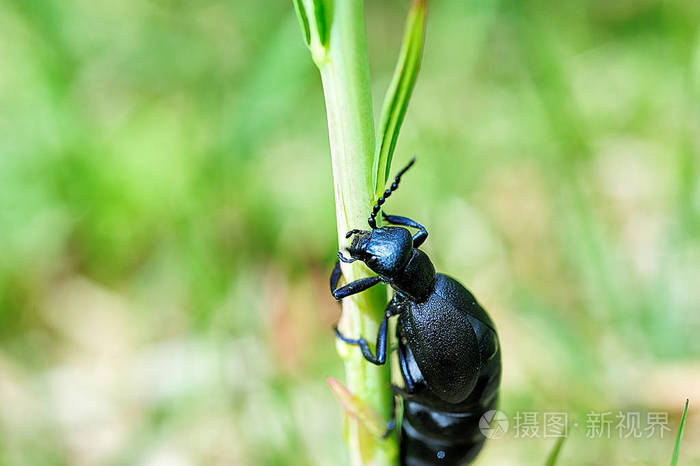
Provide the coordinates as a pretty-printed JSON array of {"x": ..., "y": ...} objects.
[
  {"x": 439, "y": 428},
  {"x": 430, "y": 437}
]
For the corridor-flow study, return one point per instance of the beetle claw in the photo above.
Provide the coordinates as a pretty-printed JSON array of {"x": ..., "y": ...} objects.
[
  {"x": 343, "y": 338},
  {"x": 389, "y": 427},
  {"x": 345, "y": 259}
]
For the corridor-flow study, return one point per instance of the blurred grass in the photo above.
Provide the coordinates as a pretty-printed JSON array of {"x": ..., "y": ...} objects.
[
  {"x": 167, "y": 226},
  {"x": 554, "y": 454},
  {"x": 679, "y": 435}
]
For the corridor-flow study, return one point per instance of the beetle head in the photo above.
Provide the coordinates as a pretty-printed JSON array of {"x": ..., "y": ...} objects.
[{"x": 384, "y": 250}]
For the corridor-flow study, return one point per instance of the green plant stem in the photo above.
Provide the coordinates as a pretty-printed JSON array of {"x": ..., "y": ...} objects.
[
  {"x": 679, "y": 436},
  {"x": 344, "y": 71}
]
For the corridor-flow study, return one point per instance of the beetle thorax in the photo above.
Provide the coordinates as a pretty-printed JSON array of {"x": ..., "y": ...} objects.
[{"x": 417, "y": 279}]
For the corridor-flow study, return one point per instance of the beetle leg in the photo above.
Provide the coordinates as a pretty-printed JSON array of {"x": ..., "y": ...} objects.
[
  {"x": 353, "y": 287},
  {"x": 395, "y": 306},
  {"x": 406, "y": 375},
  {"x": 342, "y": 258},
  {"x": 364, "y": 346},
  {"x": 419, "y": 238},
  {"x": 392, "y": 422},
  {"x": 335, "y": 276}
]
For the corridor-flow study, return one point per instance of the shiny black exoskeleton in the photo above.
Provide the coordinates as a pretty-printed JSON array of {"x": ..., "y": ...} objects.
[{"x": 448, "y": 347}]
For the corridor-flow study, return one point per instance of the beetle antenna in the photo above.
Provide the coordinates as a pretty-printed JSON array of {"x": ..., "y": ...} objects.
[{"x": 372, "y": 220}]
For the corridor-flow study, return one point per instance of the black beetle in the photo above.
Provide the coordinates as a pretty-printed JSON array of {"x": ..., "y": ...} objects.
[{"x": 448, "y": 346}]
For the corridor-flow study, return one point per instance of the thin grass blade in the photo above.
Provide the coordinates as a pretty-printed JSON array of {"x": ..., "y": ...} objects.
[
  {"x": 358, "y": 409},
  {"x": 399, "y": 93},
  {"x": 300, "y": 10},
  {"x": 677, "y": 448},
  {"x": 554, "y": 454},
  {"x": 313, "y": 18}
]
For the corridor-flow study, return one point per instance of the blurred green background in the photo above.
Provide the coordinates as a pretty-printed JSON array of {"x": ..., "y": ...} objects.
[{"x": 167, "y": 221}]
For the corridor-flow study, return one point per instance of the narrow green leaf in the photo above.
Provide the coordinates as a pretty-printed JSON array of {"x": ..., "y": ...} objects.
[
  {"x": 399, "y": 92},
  {"x": 321, "y": 21},
  {"x": 677, "y": 448},
  {"x": 315, "y": 27},
  {"x": 358, "y": 409},
  {"x": 303, "y": 21},
  {"x": 552, "y": 458}
]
